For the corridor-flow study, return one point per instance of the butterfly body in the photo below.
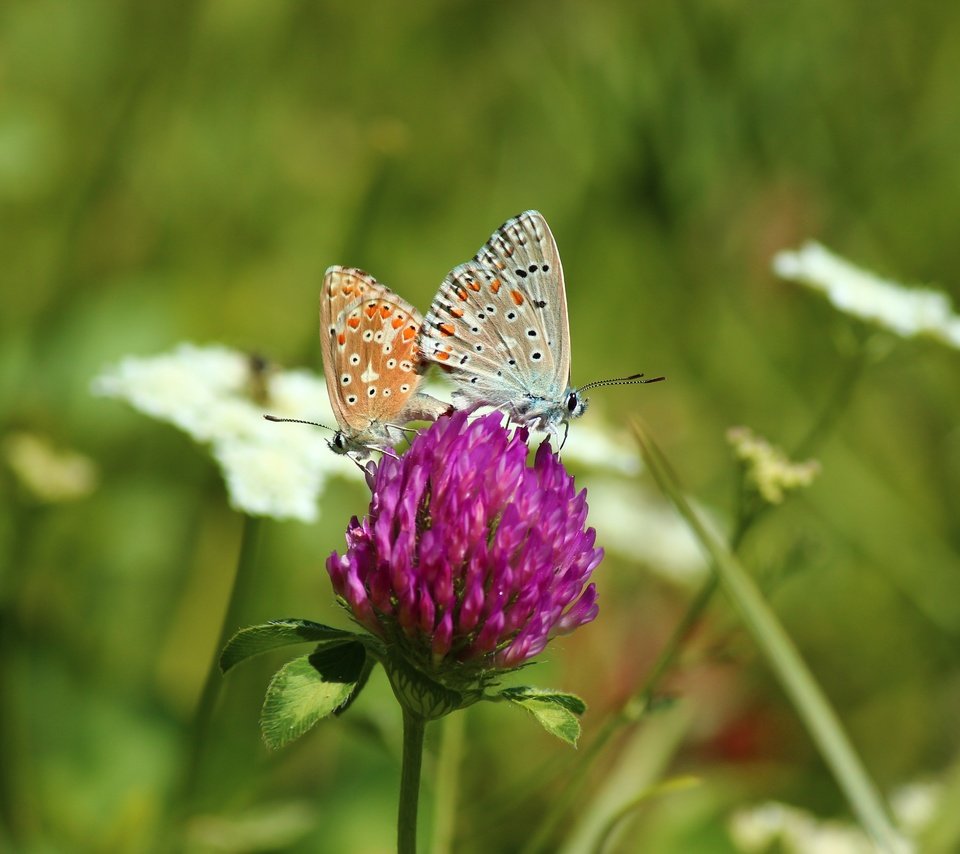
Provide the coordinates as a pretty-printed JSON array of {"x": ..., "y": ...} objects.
[{"x": 371, "y": 362}]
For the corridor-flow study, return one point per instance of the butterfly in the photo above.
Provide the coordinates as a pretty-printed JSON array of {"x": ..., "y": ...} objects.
[
  {"x": 498, "y": 327},
  {"x": 371, "y": 362}
]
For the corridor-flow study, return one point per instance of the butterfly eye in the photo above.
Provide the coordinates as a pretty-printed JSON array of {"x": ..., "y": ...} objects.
[
  {"x": 340, "y": 441},
  {"x": 573, "y": 401}
]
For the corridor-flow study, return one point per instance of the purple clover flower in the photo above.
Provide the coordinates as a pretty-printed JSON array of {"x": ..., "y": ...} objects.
[{"x": 469, "y": 559}]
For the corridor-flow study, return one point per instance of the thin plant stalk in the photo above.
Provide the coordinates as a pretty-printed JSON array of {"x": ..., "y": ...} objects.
[
  {"x": 239, "y": 596},
  {"x": 797, "y": 681},
  {"x": 447, "y": 782},
  {"x": 413, "y": 731},
  {"x": 677, "y": 784}
]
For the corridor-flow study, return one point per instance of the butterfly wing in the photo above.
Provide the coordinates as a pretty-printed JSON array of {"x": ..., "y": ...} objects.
[
  {"x": 498, "y": 324},
  {"x": 370, "y": 357}
]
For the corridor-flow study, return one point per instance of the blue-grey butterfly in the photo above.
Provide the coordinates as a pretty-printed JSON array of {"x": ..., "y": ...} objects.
[{"x": 498, "y": 327}]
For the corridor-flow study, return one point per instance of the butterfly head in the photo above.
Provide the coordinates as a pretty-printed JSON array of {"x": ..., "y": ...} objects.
[
  {"x": 575, "y": 404},
  {"x": 340, "y": 444}
]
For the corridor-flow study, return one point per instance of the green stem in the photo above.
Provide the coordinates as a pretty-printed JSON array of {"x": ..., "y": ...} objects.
[
  {"x": 18, "y": 808},
  {"x": 798, "y": 683},
  {"x": 239, "y": 596},
  {"x": 413, "y": 730},
  {"x": 447, "y": 782},
  {"x": 677, "y": 784},
  {"x": 839, "y": 398}
]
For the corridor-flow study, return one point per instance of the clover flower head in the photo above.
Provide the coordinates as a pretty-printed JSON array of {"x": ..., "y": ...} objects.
[
  {"x": 218, "y": 397},
  {"x": 768, "y": 469},
  {"x": 904, "y": 311},
  {"x": 470, "y": 559}
]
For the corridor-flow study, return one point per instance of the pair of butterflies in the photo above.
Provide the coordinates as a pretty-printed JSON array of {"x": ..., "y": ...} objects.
[{"x": 497, "y": 327}]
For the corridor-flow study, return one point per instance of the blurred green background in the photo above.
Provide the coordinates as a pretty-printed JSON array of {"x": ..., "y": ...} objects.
[{"x": 186, "y": 171}]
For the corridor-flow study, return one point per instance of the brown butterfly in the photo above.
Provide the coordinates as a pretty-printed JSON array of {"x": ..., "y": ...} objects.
[{"x": 371, "y": 362}]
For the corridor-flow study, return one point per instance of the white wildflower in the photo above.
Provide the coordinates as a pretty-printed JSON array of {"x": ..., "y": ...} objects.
[
  {"x": 271, "y": 827},
  {"x": 905, "y": 311},
  {"x": 768, "y": 468},
  {"x": 49, "y": 474},
  {"x": 633, "y": 522},
  {"x": 599, "y": 447},
  {"x": 756, "y": 829},
  {"x": 914, "y": 805},
  {"x": 183, "y": 387},
  {"x": 270, "y": 469}
]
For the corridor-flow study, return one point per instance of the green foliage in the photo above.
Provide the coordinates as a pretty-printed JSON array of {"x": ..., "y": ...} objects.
[
  {"x": 556, "y": 712},
  {"x": 255, "y": 640},
  {"x": 309, "y": 688}
]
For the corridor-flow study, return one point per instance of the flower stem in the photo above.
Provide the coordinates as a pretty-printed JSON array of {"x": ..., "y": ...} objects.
[
  {"x": 447, "y": 782},
  {"x": 239, "y": 595},
  {"x": 413, "y": 730}
]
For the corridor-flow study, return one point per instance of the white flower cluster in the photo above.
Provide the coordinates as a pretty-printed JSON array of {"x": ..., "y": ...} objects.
[
  {"x": 597, "y": 447},
  {"x": 759, "y": 828},
  {"x": 886, "y": 303},
  {"x": 637, "y": 524},
  {"x": 212, "y": 394},
  {"x": 767, "y": 467},
  {"x": 797, "y": 831},
  {"x": 49, "y": 474}
]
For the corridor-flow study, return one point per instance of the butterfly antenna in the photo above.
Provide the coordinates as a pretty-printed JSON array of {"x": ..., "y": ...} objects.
[
  {"x": 277, "y": 420},
  {"x": 633, "y": 379}
]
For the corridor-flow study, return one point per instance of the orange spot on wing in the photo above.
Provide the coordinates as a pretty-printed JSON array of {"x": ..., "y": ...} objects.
[
  {"x": 385, "y": 311},
  {"x": 495, "y": 286},
  {"x": 441, "y": 355},
  {"x": 409, "y": 333},
  {"x": 456, "y": 312},
  {"x": 462, "y": 293},
  {"x": 354, "y": 322},
  {"x": 347, "y": 290},
  {"x": 341, "y": 339},
  {"x": 474, "y": 286},
  {"x": 371, "y": 310},
  {"x": 446, "y": 328},
  {"x": 397, "y": 322},
  {"x": 517, "y": 297}
]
